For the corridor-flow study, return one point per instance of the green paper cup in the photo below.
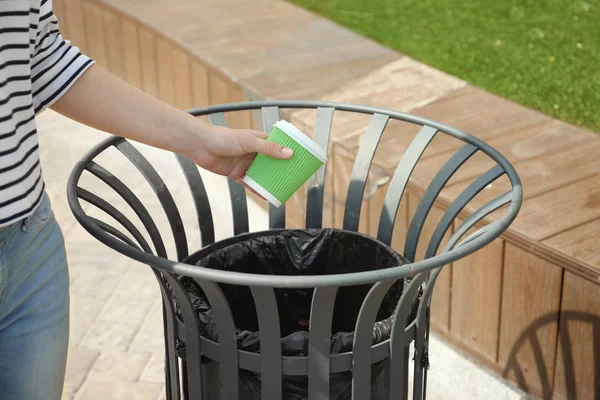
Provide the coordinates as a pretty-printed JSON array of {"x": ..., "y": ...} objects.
[{"x": 277, "y": 180}]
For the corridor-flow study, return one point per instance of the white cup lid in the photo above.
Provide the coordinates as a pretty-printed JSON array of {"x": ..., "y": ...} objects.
[{"x": 302, "y": 139}]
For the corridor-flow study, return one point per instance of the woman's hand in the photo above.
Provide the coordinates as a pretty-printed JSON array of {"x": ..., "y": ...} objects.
[
  {"x": 100, "y": 100},
  {"x": 230, "y": 152}
]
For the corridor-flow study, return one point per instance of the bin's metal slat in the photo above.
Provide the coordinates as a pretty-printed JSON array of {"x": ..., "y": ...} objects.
[
  {"x": 133, "y": 201},
  {"x": 171, "y": 373},
  {"x": 162, "y": 192},
  {"x": 192, "y": 372},
  {"x": 400, "y": 341},
  {"x": 363, "y": 339},
  {"x": 360, "y": 171},
  {"x": 116, "y": 214},
  {"x": 458, "y": 205},
  {"x": 203, "y": 211},
  {"x": 270, "y": 342},
  {"x": 293, "y": 366},
  {"x": 228, "y": 362},
  {"x": 319, "y": 342},
  {"x": 237, "y": 192},
  {"x": 422, "y": 337},
  {"x": 477, "y": 216},
  {"x": 316, "y": 184},
  {"x": 270, "y": 115},
  {"x": 399, "y": 181},
  {"x": 114, "y": 231},
  {"x": 431, "y": 194}
]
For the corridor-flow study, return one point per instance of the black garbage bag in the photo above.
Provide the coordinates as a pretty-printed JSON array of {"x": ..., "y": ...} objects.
[{"x": 298, "y": 252}]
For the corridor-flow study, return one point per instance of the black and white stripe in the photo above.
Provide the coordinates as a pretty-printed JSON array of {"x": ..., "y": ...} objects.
[{"x": 37, "y": 66}]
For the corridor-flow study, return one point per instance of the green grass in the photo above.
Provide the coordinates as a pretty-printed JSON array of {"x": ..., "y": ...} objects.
[{"x": 542, "y": 54}]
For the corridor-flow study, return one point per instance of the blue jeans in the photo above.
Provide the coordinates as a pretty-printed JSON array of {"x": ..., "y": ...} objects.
[{"x": 34, "y": 308}]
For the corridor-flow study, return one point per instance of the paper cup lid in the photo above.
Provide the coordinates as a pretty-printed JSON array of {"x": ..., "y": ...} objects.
[{"x": 302, "y": 140}]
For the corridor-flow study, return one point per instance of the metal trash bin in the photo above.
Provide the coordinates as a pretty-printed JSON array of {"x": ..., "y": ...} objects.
[{"x": 207, "y": 369}]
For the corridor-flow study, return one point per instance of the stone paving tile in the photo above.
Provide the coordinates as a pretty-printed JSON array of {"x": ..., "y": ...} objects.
[
  {"x": 453, "y": 377},
  {"x": 115, "y": 388},
  {"x": 95, "y": 283},
  {"x": 79, "y": 362},
  {"x": 116, "y": 364},
  {"x": 125, "y": 309},
  {"x": 155, "y": 369},
  {"x": 86, "y": 251},
  {"x": 110, "y": 335},
  {"x": 149, "y": 337},
  {"x": 139, "y": 283},
  {"x": 84, "y": 311}
]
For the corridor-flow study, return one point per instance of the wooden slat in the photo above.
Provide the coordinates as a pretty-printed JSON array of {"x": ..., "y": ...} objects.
[
  {"x": 238, "y": 119},
  {"x": 295, "y": 209},
  {"x": 131, "y": 53},
  {"x": 476, "y": 291},
  {"x": 530, "y": 294},
  {"x": 200, "y": 84},
  {"x": 74, "y": 19},
  {"x": 114, "y": 43},
  {"x": 477, "y": 113},
  {"x": 95, "y": 36},
  {"x": 581, "y": 243},
  {"x": 219, "y": 87},
  {"x": 578, "y": 161},
  {"x": 536, "y": 146},
  {"x": 164, "y": 63},
  {"x": 245, "y": 49},
  {"x": 481, "y": 114},
  {"x": 560, "y": 209},
  {"x": 577, "y": 373},
  {"x": 182, "y": 77},
  {"x": 148, "y": 59},
  {"x": 549, "y": 213},
  {"x": 380, "y": 87}
]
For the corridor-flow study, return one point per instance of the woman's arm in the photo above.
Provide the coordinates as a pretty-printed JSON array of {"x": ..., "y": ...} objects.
[{"x": 103, "y": 101}]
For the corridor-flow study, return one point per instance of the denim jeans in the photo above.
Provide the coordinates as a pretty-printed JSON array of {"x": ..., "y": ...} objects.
[{"x": 34, "y": 308}]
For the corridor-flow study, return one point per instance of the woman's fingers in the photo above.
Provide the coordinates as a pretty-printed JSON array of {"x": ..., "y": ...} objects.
[{"x": 257, "y": 143}]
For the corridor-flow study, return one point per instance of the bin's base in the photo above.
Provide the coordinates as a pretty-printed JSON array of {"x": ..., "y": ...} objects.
[{"x": 250, "y": 390}]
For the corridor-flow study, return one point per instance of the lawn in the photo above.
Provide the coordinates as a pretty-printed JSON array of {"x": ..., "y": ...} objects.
[{"x": 542, "y": 54}]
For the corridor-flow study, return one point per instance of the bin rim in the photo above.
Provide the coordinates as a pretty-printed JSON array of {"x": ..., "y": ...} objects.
[{"x": 311, "y": 281}]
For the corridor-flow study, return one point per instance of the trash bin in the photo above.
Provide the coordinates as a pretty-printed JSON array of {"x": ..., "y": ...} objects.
[
  {"x": 280, "y": 314},
  {"x": 290, "y": 253}
]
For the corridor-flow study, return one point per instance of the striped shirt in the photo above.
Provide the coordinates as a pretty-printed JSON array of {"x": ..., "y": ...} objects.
[{"x": 37, "y": 66}]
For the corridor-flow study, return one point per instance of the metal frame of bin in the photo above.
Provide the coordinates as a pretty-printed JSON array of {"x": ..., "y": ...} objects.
[{"x": 182, "y": 377}]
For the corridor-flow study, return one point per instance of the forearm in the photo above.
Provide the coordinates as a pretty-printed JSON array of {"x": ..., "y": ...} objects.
[{"x": 100, "y": 100}]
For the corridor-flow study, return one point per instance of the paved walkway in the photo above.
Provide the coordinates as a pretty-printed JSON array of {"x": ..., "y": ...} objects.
[{"x": 116, "y": 324}]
